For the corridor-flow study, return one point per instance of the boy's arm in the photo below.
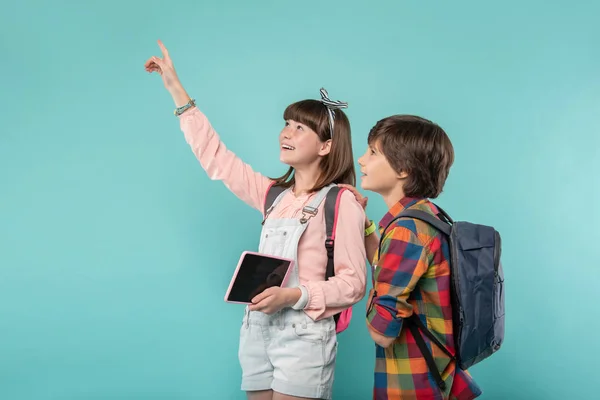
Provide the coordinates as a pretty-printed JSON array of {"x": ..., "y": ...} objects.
[{"x": 402, "y": 262}]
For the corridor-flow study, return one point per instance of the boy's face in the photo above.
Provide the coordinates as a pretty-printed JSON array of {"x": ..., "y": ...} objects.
[{"x": 377, "y": 175}]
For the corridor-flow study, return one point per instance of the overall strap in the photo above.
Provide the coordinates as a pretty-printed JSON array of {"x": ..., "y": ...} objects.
[{"x": 311, "y": 209}]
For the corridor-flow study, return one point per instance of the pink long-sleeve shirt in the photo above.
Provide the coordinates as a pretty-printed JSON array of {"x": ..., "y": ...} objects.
[{"x": 325, "y": 298}]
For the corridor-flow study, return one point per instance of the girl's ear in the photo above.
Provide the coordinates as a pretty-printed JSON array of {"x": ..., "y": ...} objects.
[{"x": 325, "y": 148}]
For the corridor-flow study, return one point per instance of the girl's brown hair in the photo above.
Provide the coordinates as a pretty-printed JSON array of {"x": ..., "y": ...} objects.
[{"x": 337, "y": 166}]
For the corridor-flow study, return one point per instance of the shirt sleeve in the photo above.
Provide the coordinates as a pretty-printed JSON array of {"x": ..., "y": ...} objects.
[
  {"x": 402, "y": 262},
  {"x": 221, "y": 163},
  {"x": 348, "y": 286}
]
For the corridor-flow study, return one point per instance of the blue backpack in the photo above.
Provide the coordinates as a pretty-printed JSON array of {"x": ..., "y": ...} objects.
[{"x": 477, "y": 291}]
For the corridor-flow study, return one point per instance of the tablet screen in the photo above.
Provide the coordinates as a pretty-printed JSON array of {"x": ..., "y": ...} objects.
[{"x": 255, "y": 273}]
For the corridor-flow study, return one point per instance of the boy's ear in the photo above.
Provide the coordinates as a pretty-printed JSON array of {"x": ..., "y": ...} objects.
[{"x": 402, "y": 175}]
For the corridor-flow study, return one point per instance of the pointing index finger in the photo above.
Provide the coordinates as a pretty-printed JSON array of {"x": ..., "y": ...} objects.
[{"x": 163, "y": 49}]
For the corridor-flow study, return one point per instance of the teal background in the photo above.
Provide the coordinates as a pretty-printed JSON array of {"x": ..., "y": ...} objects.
[{"x": 116, "y": 250}]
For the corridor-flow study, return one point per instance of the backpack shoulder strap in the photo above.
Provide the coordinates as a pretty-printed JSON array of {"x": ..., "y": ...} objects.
[
  {"x": 414, "y": 323},
  {"x": 332, "y": 203},
  {"x": 272, "y": 193},
  {"x": 438, "y": 224},
  {"x": 443, "y": 214}
]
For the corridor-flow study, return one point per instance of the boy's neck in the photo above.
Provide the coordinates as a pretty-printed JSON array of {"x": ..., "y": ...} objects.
[{"x": 393, "y": 196}]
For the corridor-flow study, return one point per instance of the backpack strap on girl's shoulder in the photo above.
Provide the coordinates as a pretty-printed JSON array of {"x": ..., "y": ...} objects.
[
  {"x": 332, "y": 204},
  {"x": 273, "y": 193}
]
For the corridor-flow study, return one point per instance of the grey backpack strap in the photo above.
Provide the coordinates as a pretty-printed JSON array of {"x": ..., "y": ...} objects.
[
  {"x": 414, "y": 323},
  {"x": 438, "y": 224},
  {"x": 273, "y": 196},
  {"x": 332, "y": 202},
  {"x": 443, "y": 214}
]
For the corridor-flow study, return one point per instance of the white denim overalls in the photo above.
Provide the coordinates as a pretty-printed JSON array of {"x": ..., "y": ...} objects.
[{"x": 287, "y": 351}]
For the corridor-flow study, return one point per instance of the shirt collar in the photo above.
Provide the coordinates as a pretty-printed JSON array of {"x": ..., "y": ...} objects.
[{"x": 397, "y": 208}]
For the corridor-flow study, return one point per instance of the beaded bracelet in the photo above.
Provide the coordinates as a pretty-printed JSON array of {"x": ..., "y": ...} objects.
[{"x": 180, "y": 110}]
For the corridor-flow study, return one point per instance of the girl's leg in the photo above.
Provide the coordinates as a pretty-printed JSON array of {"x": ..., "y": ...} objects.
[{"x": 260, "y": 395}]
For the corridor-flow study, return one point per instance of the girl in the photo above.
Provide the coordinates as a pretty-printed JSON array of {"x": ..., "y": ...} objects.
[{"x": 288, "y": 341}]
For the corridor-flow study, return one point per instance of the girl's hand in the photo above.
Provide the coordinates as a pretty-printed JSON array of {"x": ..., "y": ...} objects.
[
  {"x": 274, "y": 299},
  {"x": 164, "y": 67}
]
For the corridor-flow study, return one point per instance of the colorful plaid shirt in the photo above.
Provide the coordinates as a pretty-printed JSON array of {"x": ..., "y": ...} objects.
[{"x": 412, "y": 275}]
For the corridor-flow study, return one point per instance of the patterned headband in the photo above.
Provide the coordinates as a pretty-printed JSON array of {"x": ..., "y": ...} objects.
[{"x": 331, "y": 107}]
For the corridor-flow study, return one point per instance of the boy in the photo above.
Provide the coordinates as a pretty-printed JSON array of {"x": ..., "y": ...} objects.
[{"x": 407, "y": 163}]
